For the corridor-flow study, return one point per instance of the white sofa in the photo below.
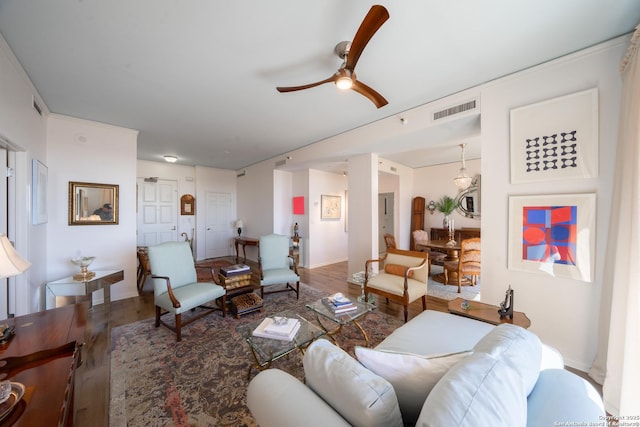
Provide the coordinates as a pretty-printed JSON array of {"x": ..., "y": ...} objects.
[{"x": 436, "y": 370}]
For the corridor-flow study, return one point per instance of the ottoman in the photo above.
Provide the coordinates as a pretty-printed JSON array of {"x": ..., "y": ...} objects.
[{"x": 246, "y": 303}]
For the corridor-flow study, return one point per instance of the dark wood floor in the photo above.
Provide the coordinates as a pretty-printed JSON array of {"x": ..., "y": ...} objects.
[{"x": 92, "y": 384}]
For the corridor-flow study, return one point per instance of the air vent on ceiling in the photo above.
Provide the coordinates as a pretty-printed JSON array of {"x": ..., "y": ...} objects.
[
  {"x": 281, "y": 162},
  {"x": 467, "y": 106},
  {"x": 36, "y": 106},
  {"x": 243, "y": 173},
  {"x": 151, "y": 179}
]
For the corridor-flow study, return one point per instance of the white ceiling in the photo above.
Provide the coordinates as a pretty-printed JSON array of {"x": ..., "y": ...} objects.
[{"x": 197, "y": 78}]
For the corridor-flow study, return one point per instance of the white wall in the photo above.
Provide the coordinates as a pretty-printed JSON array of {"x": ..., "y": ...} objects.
[
  {"x": 80, "y": 150},
  {"x": 436, "y": 181},
  {"x": 300, "y": 187},
  {"x": 22, "y": 126},
  {"x": 563, "y": 312},
  {"x": 328, "y": 239},
  {"x": 256, "y": 202}
]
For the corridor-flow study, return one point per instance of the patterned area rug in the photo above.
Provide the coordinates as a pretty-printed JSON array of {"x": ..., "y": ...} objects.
[
  {"x": 202, "y": 381},
  {"x": 450, "y": 292}
]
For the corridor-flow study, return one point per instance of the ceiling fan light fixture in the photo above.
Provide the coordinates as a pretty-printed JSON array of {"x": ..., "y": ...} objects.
[{"x": 344, "y": 80}]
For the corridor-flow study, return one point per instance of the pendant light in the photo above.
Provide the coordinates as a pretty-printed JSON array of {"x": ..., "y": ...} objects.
[{"x": 463, "y": 181}]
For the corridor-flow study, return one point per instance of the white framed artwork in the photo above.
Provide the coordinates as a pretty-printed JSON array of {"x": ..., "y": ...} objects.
[
  {"x": 555, "y": 139},
  {"x": 553, "y": 234}
]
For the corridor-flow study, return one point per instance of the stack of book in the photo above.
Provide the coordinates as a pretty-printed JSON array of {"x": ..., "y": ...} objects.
[
  {"x": 277, "y": 328},
  {"x": 338, "y": 303},
  {"x": 235, "y": 270}
]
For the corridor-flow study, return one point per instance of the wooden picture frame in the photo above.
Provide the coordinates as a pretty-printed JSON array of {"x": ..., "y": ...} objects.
[
  {"x": 187, "y": 205},
  {"x": 555, "y": 139},
  {"x": 553, "y": 234},
  {"x": 93, "y": 204},
  {"x": 330, "y": 207}
]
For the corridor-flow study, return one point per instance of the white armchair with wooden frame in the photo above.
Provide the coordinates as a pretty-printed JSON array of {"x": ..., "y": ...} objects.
[
  {"x": 403, "y": 277},
  {"x": 176, "y": 286}
]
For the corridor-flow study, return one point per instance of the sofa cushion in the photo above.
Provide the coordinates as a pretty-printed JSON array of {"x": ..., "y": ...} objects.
[
  {"x": 412, "y": 376},
  {"x": 489, "y": 387},
  {"x": 518, "y": 347},
  {"x": 435, "y": 332},
  {"x": 479, "y": 391},
  {"x": 396, "y": 269},
  {"x": 560, "y": 395},
  {"x": 360, "y": 396}
]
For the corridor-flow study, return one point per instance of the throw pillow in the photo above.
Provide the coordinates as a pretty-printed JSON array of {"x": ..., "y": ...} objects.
[
  {"x": 412, "y": 376},
  {"x": 397, "y": 270},
  {"x": 479, "y": 391},
  {"x": 360, "y": 396}
]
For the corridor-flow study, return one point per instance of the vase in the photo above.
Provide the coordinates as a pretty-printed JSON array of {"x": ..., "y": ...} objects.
[{"x": 445, "y": 222}]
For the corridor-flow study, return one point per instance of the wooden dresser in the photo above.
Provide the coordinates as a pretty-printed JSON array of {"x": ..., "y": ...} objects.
[
  {"x": 49, "y": 379},
  {"x": 460, "y": 234}
]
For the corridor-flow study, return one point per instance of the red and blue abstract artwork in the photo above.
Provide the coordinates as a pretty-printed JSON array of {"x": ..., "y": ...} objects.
[{"x": 549, "y": 234}]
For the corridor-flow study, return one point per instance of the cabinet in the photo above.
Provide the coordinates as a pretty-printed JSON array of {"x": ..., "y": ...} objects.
[{"x": 417, "y": 218}]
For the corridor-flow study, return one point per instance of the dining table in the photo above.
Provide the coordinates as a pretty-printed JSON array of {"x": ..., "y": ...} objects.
[{"x": 452, "y": 248}]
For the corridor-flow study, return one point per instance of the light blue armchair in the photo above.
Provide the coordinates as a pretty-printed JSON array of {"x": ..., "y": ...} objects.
[
  {"x": 176, "y": 286},
  {"x": 276, "y": 265}
]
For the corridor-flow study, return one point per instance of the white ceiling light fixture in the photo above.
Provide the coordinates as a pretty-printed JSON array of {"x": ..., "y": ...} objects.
[
  {"x": 171, "y": 159},
  {"x": 463, "y": 181}
]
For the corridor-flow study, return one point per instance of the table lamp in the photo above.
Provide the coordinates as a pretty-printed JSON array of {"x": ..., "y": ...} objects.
[
  {"x": 11, "y": 264},
  {"x": 239, "y": 226}
]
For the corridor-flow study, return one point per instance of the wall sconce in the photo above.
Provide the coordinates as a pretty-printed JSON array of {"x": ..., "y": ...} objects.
[{"x": 431, "y": 206}]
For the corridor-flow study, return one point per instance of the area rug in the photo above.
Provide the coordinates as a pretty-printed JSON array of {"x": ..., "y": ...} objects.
[
  {"x": 450, "y": 292},
  {"x": 202, "y": 380}
]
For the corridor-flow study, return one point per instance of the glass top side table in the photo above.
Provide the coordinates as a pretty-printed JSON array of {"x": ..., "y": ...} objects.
[
  {"x": 320, "y": 310},
  {"x": 267, "y": 350}
]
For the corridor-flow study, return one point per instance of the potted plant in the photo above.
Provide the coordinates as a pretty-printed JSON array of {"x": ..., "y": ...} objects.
[{"x": 446, "y": 205}]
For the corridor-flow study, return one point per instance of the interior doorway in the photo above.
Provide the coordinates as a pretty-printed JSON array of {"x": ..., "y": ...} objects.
[
  {"x": 218, "y": 232},
  {"x": 157, "y": 213}
]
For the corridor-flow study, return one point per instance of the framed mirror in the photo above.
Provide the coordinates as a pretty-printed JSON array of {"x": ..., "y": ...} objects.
[
  {"x": 93, "y": 204},
  {"x": 468, "y": 201}
]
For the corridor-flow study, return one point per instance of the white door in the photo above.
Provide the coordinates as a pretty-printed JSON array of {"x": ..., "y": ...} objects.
[
  {"x": 385, "y": 219},
  {"x": 157, "y": 216},
  {"x": 217, "y": 225}
]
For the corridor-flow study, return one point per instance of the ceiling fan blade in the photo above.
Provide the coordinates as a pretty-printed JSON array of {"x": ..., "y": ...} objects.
[
  {"x": 372, "y": 22},
  {"x": 310, "y": 85},
  {"x": 373, "y": 96}
]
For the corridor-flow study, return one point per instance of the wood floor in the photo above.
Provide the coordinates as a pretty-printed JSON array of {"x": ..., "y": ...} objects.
[{"x": 92, "y": 383}]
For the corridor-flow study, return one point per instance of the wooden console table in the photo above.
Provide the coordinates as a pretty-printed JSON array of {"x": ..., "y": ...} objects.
[
  {"x": 68, "y": 287},
  {"x": 49, "y": 381},
  {"x": 487, "y": 313},
  {"x": 244, "y": 242}
]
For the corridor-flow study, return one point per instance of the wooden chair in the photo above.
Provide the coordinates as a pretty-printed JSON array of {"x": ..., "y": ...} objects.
[
  {"x": 276, "y": 265},
  {"x": 176, "y": 287},
  {"x": 390, "y": 241},
  {"x": 144, "y": 269},
  {"x": 402, "y": 278},
  {"x": 468, "y": 264},
  {"x": 421, "y": 237}
]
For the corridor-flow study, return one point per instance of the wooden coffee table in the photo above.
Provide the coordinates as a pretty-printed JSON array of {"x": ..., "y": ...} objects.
[{"x": 487, "y": 313}]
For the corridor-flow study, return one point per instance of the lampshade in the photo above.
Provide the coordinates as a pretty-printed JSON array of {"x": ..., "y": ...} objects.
[
  {"x": 462, "y": 181},
  {"x": 239, "y": 223},
  {"x": 11, "y": 263}
]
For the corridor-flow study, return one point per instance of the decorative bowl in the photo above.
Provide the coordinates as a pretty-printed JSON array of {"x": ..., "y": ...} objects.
[{"x": 83, "y": 262}]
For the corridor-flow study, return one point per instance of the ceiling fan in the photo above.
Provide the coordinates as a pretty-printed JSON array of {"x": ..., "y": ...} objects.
[{"x": 345, "y": 77}]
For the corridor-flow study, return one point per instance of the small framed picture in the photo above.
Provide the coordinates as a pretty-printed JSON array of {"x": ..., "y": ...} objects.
[
  {"x": 187, "y": 205},
  {"x": 331, "y": 207}
]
